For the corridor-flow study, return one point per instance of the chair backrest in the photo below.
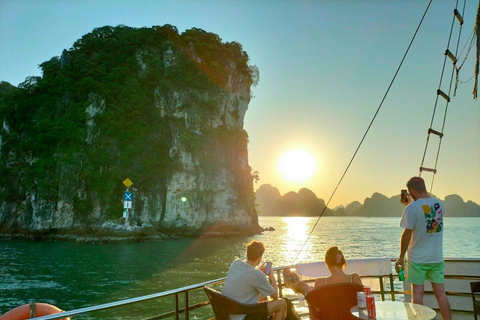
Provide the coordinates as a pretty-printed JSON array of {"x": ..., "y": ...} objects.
[
  {"x": 333, "y": 302},
  {"x": 475, "y": 286},
  {"x": 223, "y": 306}
]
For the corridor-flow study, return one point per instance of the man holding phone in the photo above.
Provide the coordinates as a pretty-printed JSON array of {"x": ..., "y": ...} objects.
[
  {"x": 422, "y": 241},
  {"x": 246, "y": 284}
]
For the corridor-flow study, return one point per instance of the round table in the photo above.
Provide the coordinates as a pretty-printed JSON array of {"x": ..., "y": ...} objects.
[{"x": 396, "y": 310}]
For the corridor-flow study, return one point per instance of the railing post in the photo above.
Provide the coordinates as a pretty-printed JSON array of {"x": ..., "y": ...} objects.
[
  {"x": 187, "y": 306},
  {"x": 279, "y": 284},
  {"x": 382, "y": 290},
  {"x": 177, "y": 309},
  {"x": 392, "y": 288}
]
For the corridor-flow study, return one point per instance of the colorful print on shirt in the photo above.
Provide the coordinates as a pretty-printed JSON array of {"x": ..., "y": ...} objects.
[{"x": 433, "y": 218}]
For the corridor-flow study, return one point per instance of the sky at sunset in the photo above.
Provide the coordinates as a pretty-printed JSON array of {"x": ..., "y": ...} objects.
[{"x": 324, "y": 69}]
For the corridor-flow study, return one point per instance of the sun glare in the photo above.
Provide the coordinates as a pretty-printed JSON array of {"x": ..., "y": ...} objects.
[
  {"x": 297, "y": 165},
  {"x": 297, "y": 234}
]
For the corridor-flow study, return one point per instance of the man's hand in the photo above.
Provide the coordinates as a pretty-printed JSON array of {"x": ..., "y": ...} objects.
[
  {"x": 263, "y": 267},
  {"x": 408, "y": 200},
  {"x": 271, "y": 278},
  {"x": 400, "y": 263}
]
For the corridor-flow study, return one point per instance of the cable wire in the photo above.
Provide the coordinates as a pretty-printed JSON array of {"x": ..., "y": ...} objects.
[{"x": 366, "y": 132}]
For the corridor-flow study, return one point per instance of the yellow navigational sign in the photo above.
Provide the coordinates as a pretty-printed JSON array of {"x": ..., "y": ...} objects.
[{"x": 127, "y": 183}]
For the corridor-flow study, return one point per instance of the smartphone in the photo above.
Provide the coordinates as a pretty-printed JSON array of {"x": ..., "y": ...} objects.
[
  {"x": 403, "y": 196},
  {"x": 268, "y": 268}
]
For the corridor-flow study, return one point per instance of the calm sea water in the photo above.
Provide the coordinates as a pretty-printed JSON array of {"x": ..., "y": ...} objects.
[{"x": 71, "y": 275}]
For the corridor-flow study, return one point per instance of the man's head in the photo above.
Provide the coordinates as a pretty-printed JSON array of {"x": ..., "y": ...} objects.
[
  {"x": 255, "y": 250},
  {"x": 416, "y": 187}
]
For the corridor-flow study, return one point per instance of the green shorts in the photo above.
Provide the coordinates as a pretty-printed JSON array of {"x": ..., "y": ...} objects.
[{"x": 419, "y": 272}]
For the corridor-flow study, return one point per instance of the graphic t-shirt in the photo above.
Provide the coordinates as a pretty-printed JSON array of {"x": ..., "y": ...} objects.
[{"x": 425, "y": 217}]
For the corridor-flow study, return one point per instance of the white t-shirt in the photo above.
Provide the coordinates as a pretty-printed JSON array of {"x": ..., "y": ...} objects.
[
  {"x": 244, "y": 284},
  {"x": 425, "y": 217}
]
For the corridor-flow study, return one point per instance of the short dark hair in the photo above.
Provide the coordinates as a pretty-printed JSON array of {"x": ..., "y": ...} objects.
[
  {"x": 417, "y": 184},
  {"x": 255, "y": 249},
  {"x": 334, "y": 257}
]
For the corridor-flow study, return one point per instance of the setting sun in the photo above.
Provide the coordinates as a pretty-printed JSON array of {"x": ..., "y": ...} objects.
[{"x": 297, "y": 165}]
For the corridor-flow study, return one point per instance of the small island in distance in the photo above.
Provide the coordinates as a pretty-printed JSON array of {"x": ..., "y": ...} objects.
[{"x": 305, "y": 203}]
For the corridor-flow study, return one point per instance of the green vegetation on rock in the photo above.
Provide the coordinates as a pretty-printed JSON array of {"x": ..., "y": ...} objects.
[{"x": 113, "y": 106}]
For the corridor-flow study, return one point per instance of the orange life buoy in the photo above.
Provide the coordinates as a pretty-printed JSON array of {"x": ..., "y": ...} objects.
[{"x": 31, "y": 310}]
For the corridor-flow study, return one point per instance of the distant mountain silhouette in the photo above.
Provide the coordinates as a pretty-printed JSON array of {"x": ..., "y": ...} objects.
[
  {"x": 266, "y": 199},
  {"x": 454, "y": 203},
  {"x": 306, "y": 203},
  {"x": 380, "y": 206},
  {"x": 353, "y": 207}
]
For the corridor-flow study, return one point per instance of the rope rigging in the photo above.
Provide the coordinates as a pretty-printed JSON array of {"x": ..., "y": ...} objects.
[
  {"x": 440, "y": 93},
  {"x": 471, "y": 39},
  {"x": 477, "y": 56},
  {"x": 366, "y": 132}
]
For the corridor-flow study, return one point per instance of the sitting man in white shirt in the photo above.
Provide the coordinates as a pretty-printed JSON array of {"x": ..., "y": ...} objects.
[{"x": 246, "y": 284}]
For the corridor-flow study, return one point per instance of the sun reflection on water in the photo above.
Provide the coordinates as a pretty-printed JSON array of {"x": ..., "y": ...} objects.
[{"x": 297, "y": 230}]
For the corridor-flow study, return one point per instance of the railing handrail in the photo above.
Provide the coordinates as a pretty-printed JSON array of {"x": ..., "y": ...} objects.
[{"x": 120, "y": 303}]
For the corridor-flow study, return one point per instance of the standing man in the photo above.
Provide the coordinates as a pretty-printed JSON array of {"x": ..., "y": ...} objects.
[
  {"x": 246, "y": 284},
  {"x": 422, "y": 240}
]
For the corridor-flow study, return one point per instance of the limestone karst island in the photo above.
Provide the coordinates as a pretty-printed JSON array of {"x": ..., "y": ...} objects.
[{"x": 163, "y": 109}]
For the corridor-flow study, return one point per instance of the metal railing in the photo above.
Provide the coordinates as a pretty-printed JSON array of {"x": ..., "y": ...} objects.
[
  {"x": 175, "y": 292},
  {"x": 186, "y": 291}
]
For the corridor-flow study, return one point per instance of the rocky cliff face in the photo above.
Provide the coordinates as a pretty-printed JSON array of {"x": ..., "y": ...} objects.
[{"x": 163, "y": 109}]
